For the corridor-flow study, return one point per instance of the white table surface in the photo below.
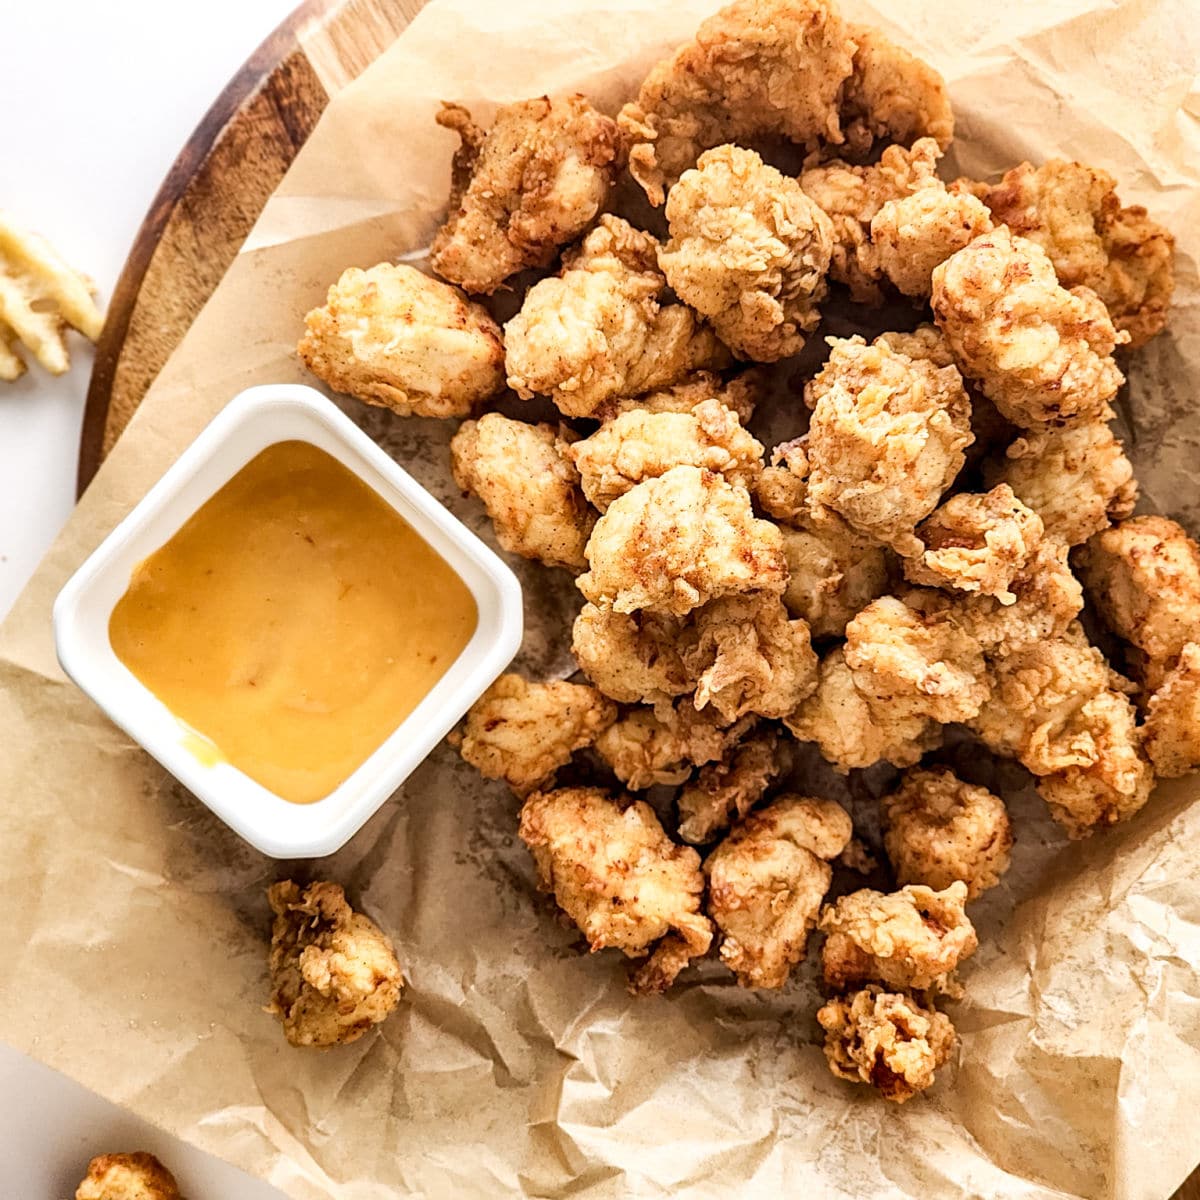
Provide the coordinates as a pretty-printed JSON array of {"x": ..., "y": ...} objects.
[{"x": 98, "y": 99}]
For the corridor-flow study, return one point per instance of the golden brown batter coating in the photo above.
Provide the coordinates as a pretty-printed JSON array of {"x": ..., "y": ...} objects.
[
  {"x": 138, "y": 1176},
  {"x": 530, "y": 184},
  {"x": 1040, "y": 353},
  {"x": 334, "y": 973},
  {"x": 633, "y": 657},
  {"x": 909, "y": 939},
  {"x": 830, "y": 579},
  {"x": 600, "y": 331},
  {"x": 740, "y": 394},
  {"x": 528, "y": 485},
  {"x": 939, "y": 829},
  {"x": 886, "y": 1039},
  {"x": 766, "y": 882},
  {"x": 522, "y": 732},
  {"x": 618, "y": 876},
  {"x": 1172, "y": 729},
  {"x": 749, "y": 251},
  {"x": 725, "y": 791},
  {"x": 396, "y": 338},
  {"x": 673, "y": 543}
]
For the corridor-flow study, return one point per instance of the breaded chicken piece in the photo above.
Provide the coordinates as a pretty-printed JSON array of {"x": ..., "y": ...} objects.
[
  {"x": 661, "y": 745},
  {"x": 1036, "y": 693},
  {"x": 725, "y": 791},
  {"x": 1077, "y": 479},
  {"x": 839, "y": 719},
  {"x": 886, "y": 1039},
  {"x": 851, "y": 196},
  {"x": 909, "y": 939},
  {"x": 1117, "y": 782},
  {"x": 1073, "y": 213},
  {"x": 926, "y": 342},
  {"x": 396, "y": 338},
  {"x": 938, "y": 829},
  {"x": 886, "y": 439},
  {"x": 599, "y": 330},
  {"x": 1143, "y": 576},
  {"x": 618, "y": 876},
  {"x": 830, "y": 578},
  {"x": 766, "y": 882},
  {"x": 756, "y": 68},
  {"x": 1040, "y": 353},
  {"x": 633, "y": 657},
  {"x": 749, "y": 251},
  {"x": 1172, "y": 729},
  {"x": 138, "y": 1176},
  {"x": 528, "y": 485},
  {"x": 914, "y": 234},
  {"x": 641, "y": 445},
  {"x": 675, "y": 542},
  {"x": 740, "y": 394},
  {"x": 977, "y": 543},
  {"x": 522, "y": 732},
  {"x": 530, "y": 184},
  {"x": 909, "y": 663},
  {"x": 334, "y": 973},
  {"x": 892, "y": 96}
]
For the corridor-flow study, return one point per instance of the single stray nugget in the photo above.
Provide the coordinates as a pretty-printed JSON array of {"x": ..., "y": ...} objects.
[
  {"x": 137, "y": 1176},
  {"x": 40, "y": 295},
  {"x": 618, "y": 876},
  {"x": 887, "y": 1039},
  {"x": 334, "y": 972},
  {"x": 396, "y": 338}
]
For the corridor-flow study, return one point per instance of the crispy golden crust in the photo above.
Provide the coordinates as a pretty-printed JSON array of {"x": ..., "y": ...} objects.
[
  {"x": 1172, "y": 729},
  {"x": 522, "y": 732},
  {"x": 334, "y": 973},
  {"x": 766, "y": 881},
  {"x": 1073, "y": 213},
  {"x": 532, "y": 183},
  {"x": 749, "y": 251},
  {"x": 1040, "y": 353},
  {"x": 529, "y": 486},
  {"x": 394, "y": 337},
  {"x": 830, "y": 579},
  {"x": 909, "y": 939},
  {"x": 886, "y": 1039},
  {"x": 725, "y": 791},
  {"x": 939, "y": 829},
  {"x": 740, "y": 394},
  {"x": 633, "y": 657},
  {"x": 618, "y": 876},
  {"x": 138, "y": 1176}
]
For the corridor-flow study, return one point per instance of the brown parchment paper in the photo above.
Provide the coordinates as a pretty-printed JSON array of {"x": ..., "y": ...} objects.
[{"x": 132, "y": 939}]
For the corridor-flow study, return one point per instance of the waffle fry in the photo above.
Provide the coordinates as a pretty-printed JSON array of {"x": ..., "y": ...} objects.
[{"x": 40, "y": 295}]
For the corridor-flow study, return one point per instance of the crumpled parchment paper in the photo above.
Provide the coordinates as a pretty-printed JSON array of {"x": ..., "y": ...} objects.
[{"x": 134, "y": 923}]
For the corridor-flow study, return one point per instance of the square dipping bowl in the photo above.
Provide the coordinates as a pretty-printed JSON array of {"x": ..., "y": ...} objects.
[{"x": 252, "y": 421}]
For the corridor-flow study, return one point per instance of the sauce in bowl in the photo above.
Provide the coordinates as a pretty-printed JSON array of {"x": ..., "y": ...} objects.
[{"x": 293, "y": 622}]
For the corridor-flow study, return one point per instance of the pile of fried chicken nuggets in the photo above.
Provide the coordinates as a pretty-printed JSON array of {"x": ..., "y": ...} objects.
[{"x": 902, "y": 565}]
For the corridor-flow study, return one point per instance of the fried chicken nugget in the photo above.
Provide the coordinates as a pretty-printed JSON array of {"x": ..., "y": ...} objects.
[
  {"x": 755, "y": 68},
  {"x": 1073, "y": 213},
  {"x": 839, "y": 719},
  {"x": 600, "y": 331},
  {"x": 1172, "y": 729},
  {"x": 1077, "y": 479},
  {"x": 1040, "y": 353},
  {"x": 633, "y": 657},
  {"x": 529, "y": 486},
  {"x": 909, "y": 939},
  {"x": 749, "y": 251},
  {"x": 766, "y": 882},
  {"x": 977, "y": 543},
  {"x": 395, "y": 338},
  {"x": 675, "y": 542},
  {"x": 532, "y": 183},
  {"x": 740, "y": 395},
  {"x": 910, "y": 663},
  {"x": 886, "y": 1039},
  {"x": 886, "y": 439},
  {"x": 938, "y": 829},
  {"x": 618, "y": 876},
  {"x": 725, "y": 791},
  {"x": 334, "y": 973},
  {"x": 138, "y": 1176},
  {"x": 522, "y": 732},
  {"x": 641, "y": 445}
]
